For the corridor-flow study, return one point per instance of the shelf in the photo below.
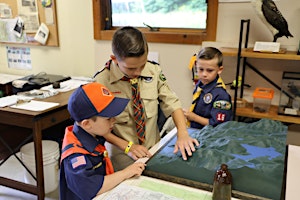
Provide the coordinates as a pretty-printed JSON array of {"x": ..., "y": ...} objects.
[
  {"x": 249, "y": 53},
  {"x": 272, "y": 114}
]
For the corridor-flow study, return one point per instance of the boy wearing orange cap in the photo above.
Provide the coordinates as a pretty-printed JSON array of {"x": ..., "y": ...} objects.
[{"x": 86, "y": 169}]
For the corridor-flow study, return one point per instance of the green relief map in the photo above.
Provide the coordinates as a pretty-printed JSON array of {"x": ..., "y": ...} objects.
[{"x": 254, "y": 153}]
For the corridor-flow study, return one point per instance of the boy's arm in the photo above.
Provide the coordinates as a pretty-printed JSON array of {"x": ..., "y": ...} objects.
[
  {"x": 184, "y": 142},
  {"x": 135, "y": 151},
  {"x": 119, "y": 142},
  {"x": 191, "y": 116},
  {"x": 112, "y": 180}
]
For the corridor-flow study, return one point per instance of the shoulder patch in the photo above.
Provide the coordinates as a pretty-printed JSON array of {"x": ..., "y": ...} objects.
[
  {"x": 162, "y": 77},
  {"x": 78, "y": 161},
  {"x": 222, "y": 104},
  {"x": 221, "y": 117},
  {"x": 207, "y": 98}
]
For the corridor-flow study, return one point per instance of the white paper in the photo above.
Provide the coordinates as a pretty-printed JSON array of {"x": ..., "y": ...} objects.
[
  {"x": 19, "y": 57},
  {"x": 66, "y": 85},
  {"x": 267, "y": 46},
  {"x": 27, "y": 9},
  {"x": 35, "y": 105},
  {"x": 11, "y": 100},
  {"x": 49, "y": 16},
  {"x": 6, "y": 78},
  {"x": 136, "y": 193},
  {"x": 42, "y": 34},
  {"x": 290, "y": 111},
  {"x": 31, "y": 22},
  {"x": 6, "y": 35}
]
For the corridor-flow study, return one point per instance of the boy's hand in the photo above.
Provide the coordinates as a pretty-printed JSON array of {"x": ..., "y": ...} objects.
[
  {"x": 136, "y": 169},
  {"x": 138, "y": 151},
  {"x": 186, "y": 145}
]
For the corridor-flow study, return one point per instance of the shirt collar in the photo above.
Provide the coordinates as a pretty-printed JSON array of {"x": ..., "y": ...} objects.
[
  {"x": 210, "y": 86},
  {"x": 116, "y": 74},
  {"x": 86, "y": 139}
]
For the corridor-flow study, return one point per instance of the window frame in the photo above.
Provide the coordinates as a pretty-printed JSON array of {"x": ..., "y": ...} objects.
[{"x": 164, "y": 35}]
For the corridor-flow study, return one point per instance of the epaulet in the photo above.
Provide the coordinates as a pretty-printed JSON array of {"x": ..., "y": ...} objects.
[
  {"x": 106, "y": 66},
  {"x": 153, "y": 62}
]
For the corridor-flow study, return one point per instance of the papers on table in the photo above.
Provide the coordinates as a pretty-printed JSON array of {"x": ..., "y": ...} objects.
[
  {"x": 136, "y": 193},
  {"x": 29, "y": 104},
  {"x": 6, "y": 78},
  {"x": 39, "y": 94},
  {"x": 67, "y": 85},
  {"x": 11, "y": 100},
  {"x": 43, "y": 92},
  {"x": 35, "y": 105}
]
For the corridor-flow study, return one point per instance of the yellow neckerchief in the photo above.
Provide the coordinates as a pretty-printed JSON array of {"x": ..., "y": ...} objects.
[{"x": 196, "y": 95}]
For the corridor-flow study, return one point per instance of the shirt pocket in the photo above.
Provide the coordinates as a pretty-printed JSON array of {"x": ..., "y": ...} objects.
[{"x": 150, "y": 104}]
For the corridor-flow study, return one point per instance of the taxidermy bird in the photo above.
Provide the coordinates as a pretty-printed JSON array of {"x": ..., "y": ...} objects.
[{"x": 272, "y": 18}]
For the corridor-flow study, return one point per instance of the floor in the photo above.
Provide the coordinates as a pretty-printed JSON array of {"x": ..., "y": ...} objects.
[{"x": 12, "y": 168}]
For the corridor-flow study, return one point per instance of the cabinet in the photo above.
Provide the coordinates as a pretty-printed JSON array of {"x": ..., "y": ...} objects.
[{"x": 242, "y": 53}]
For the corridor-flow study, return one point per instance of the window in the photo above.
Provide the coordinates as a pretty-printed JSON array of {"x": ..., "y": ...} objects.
[{"x": 110, "y": 14}]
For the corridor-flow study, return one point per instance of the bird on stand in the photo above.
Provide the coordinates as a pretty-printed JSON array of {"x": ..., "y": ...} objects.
[{"x": 272, "y": 18}]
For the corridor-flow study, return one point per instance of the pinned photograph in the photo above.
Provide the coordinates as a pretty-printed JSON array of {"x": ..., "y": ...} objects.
[
  {"x": 19, "y": 27},
  {"x": 42, "y": 34}
]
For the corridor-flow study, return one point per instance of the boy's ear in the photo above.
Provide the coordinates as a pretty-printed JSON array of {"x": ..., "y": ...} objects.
[
  {"x": 114, "y": 59},
  {"x": 220, "y": 69},
  {"x": 85, "y": 123}
]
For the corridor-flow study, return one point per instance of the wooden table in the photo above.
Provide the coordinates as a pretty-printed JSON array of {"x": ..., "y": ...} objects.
[{"x": 37, "y": 121}]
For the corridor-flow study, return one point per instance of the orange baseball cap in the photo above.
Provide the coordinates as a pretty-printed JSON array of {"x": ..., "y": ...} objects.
[{"x": 94, "y": 99}]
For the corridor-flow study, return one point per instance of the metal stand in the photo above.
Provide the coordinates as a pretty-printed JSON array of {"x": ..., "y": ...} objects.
[{"x": 245, "y": 63}]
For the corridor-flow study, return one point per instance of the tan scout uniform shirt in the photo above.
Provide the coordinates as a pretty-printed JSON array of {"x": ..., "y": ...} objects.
[{"x": 153, "y": 86}]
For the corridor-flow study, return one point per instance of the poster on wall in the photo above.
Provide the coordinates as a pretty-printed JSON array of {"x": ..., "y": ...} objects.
[{"x": 19, "y": 58}]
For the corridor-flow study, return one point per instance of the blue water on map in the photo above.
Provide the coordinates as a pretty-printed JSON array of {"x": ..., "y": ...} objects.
[{"x": 256, "y": 152}]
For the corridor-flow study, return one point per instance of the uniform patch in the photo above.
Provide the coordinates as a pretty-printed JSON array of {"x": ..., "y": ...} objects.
[
  {"x": 207, "y": 98},
  {"x": 148, "y": 79},
  {"x": 78, "y": 161},
  {"x": 162, "y": 76},
  {"x": 221, "y": 117},
  {"x": 222, "y": 104}
]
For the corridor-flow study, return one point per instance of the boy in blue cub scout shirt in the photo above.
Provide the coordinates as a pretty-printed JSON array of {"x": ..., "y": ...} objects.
[
  {"x": 86, "y": 169},
  {"x": 211, "y": 103}
]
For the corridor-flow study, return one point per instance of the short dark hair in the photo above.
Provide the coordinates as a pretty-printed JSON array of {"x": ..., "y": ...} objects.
[
  {"x": 208, "y": 53},
  {"x": 129, "y": 42}
]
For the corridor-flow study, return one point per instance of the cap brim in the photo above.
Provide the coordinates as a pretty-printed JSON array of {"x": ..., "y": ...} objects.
[{"x": 114, "y": 108}]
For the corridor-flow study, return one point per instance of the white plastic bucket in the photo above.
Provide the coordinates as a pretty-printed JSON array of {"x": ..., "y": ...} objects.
[{"x": 50, "y": 163}]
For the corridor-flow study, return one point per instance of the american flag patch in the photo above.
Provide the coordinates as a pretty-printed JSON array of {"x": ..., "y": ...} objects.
[{"x": 78, "y": 161}]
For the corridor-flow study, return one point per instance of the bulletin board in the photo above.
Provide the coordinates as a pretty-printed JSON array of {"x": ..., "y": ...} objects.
[{"x": 46, "y": 15}]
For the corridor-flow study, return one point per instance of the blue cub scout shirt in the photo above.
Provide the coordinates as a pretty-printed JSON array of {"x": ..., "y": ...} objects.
[{"x": 213, "y": 103}]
